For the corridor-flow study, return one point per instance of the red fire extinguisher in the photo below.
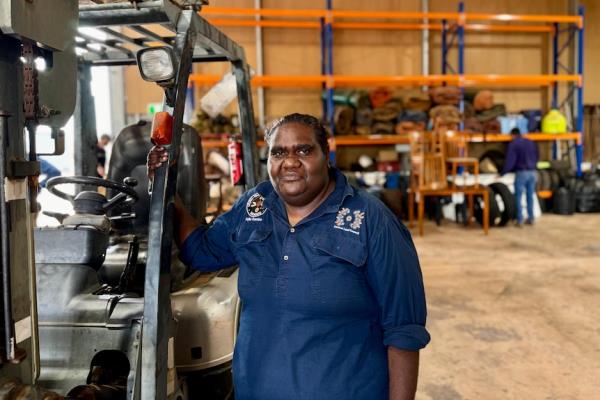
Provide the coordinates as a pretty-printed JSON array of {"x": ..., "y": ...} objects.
[{"x": 236, "y": 169}]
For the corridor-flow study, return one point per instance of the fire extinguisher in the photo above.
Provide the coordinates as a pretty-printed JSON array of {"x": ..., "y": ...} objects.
[{"x": 236, "y": 169}]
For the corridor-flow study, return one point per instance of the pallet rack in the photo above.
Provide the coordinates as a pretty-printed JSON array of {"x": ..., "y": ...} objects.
[{"x": 452, "y": 26}]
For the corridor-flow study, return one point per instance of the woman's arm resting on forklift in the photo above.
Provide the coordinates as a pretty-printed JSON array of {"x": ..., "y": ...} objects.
[{"x": 184, "y": 222}]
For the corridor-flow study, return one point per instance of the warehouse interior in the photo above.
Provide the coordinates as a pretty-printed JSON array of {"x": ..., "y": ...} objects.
[{"x": 421, "y": 101}]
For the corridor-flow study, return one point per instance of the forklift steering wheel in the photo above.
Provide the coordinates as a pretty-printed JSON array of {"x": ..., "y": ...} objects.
[{"x": 125, "y": 189}]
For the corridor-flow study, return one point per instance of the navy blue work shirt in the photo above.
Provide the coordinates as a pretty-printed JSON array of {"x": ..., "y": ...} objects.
[
  {"x": 322, "y": 300},
  {"x": 521, "y": 155}
]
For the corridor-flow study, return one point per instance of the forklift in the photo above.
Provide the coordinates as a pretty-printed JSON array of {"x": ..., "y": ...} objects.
[{"x": 99, "y": 307}]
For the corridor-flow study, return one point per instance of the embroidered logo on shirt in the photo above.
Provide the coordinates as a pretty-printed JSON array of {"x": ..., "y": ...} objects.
[
  {"x": 255, "y": 207},
  {"x": 349, "y": 221}
]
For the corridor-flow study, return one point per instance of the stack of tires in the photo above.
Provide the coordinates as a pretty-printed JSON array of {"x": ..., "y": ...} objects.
[
  {"x": 587, "y": 193},
  {"x": 503, "y": 207}
]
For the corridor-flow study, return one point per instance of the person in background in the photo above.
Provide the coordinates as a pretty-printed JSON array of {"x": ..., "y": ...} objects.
[
  {"x": 101, "y": 155},
  {"x": 333, "y": 304},
  {"x": 48, "y": 170},
  {"x": 521, "y": 158}
]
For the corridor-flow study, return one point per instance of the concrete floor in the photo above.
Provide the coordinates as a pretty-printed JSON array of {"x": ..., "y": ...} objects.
[{"x": 515, "y": 315}]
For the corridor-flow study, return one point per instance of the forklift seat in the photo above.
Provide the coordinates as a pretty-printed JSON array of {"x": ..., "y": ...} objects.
[{"x": 128, "y": 159}]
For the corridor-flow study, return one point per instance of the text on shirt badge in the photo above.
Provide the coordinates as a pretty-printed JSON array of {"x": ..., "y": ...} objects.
[
  {"x": 255, "y": 207},
  {"x": 349, "y": 221}
]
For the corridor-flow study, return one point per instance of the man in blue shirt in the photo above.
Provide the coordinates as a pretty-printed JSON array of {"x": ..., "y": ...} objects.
[
  {"x": 331, "y": 288},
  {"x": 522, "y": 158}
]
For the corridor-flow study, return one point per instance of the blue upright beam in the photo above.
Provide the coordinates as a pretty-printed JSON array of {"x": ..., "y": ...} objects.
[
  {"x": 461, "y": 58},
  {"x": 444, "y": 46},
  {"x": 329, "y": 46},
  {"x": 579, "y": 151},
  {"x": 323, "y": 43},
  {"x": 555, "y": 57}
]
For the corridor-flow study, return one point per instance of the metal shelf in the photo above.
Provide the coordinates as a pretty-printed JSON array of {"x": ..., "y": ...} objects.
[{"x": 452, "y": 25}]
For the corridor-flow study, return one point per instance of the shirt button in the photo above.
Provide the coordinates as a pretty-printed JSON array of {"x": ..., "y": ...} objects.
[
  {"x": 293, "y": 230},
  {"x": 286, "y": 258}
]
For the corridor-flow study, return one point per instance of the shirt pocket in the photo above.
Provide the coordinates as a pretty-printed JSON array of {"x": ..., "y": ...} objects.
[
  {"x": 340, "y": 249},
  {"x": 253, "y": 257},
  {"x": 338, "y": 277}
]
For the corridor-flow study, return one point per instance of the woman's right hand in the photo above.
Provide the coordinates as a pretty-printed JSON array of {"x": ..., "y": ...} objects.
[{"x": 156, "y": 157}]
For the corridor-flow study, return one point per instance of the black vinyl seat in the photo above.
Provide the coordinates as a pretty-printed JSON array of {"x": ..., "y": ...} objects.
[{"x": 128, "y": 159}]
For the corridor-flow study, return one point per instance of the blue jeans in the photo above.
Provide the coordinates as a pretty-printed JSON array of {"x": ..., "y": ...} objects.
[{"x": 524, "y": 180}]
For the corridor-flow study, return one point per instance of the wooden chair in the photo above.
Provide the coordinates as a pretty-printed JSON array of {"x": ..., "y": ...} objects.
[
  {"x": 428, "y": 176},
  {"x": 456, "y": 151},
  {"x": 428, "y": 168}
]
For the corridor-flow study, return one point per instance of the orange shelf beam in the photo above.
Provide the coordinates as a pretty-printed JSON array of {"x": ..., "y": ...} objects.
[
  {"x": 263, "y": 12},
  {"x": 383, "y": 140},
  {"x": 473, "y": 137},
  {"x": 572, "y": 19},
  {"x": 536, "y": 137},
  {"x": 509, "y": 28},
  {"x": 521, "y": 80},
  {"x": 410, "y": 80},
  {"x": 394, "y": 15},
  {"x": 331, "y": 15},
  {"x": 375, "y": 25},
  {"x": 544, "y": 194},
  {"x": 263, "y": 23}
]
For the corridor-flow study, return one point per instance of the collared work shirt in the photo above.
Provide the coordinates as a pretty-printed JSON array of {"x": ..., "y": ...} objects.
[{"x": 322, "y": 300}]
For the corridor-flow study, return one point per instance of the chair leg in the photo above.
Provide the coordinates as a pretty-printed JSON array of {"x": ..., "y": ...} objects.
[
  {"x": 486, "y": 212},
  {"x": 470, "y": 205}
]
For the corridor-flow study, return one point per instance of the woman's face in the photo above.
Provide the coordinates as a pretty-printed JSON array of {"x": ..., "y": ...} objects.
[{"x": 297, "y": 166}]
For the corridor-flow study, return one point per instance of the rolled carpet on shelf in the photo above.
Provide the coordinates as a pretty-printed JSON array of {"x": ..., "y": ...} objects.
[
  {"x": 418, "y": 103},
  {"x": 382, "y": 128},
  {"x": 343, "y": 118},
  {"x": 364, "y": 116},
  {"x": 484, "y": 100},
  {"x": 384, "y": 114},
  {"x": 407, "y": 127},
  {"x": 496, "y": 111},
  {"x": 446, "y": 113},
  {"x": 445, "y": 95}
]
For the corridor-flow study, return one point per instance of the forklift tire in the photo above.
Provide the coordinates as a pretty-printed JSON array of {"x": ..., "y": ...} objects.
[
  {"x": 506, "y": 202},
  {"x": 494, "y": 215}
]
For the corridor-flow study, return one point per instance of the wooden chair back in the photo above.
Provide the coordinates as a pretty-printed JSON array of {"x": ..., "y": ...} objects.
[
  {"x": 456, "y": 144},
  {"x": 433, "y": 172},
  {"x": 428, "y": 160}
]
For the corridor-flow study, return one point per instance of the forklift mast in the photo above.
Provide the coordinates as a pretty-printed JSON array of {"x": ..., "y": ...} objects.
[{"x": 29, "y": 97}]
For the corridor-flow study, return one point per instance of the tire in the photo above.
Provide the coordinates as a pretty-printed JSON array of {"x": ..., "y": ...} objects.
[
  {"x": 554, "y": 180},
  {"x": 494, "y": 214},
  {"x": 544, "y": 179},
  {"x": 497, "y": 157},
  {"x": 505, "y": 200}
]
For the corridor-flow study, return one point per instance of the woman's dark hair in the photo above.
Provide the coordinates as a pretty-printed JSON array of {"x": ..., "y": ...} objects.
[{"x": 303, "y": 119}]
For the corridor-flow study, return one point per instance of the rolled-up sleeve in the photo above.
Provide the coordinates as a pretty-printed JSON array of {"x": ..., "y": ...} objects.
[
  {"x": 396, "y": 280},
  {"x": 208, "y": 247}
]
